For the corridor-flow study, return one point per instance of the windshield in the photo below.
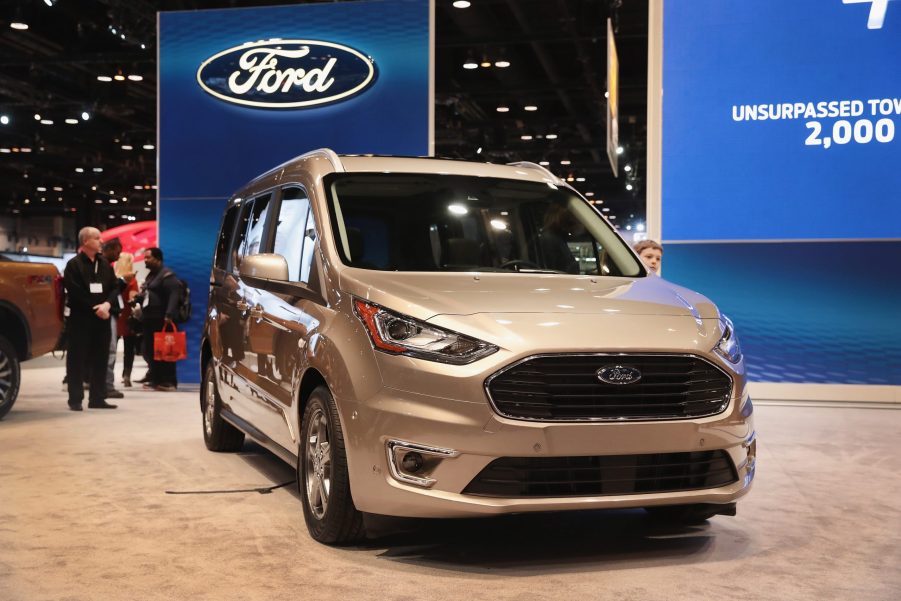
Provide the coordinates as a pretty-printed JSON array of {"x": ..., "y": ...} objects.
[{"x": 424, "y": 222}]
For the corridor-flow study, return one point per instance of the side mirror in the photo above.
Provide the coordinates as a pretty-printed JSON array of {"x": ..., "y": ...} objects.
[{"x": 265, "y": 266}]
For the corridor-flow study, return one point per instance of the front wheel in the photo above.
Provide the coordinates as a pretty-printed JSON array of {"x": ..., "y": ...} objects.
[
  {"x": 10, "y": 376},
  {"x": 322, "y": 477},
  {"x": 218, "y": 434}
]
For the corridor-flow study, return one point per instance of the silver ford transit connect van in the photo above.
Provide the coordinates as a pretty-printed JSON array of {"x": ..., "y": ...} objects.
[{"x": 438, "y": 338}]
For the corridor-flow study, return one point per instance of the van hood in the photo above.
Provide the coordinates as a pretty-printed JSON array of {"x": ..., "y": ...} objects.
[{"x": 427, "y": 295}]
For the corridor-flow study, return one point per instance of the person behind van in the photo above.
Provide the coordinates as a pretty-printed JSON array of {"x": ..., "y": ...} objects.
[
  {"x": 559, "y": 223},
  {"x": 651, "y": 254},
  {"x": 159, "y": 303},
  {"x": 125, "y": 325}
]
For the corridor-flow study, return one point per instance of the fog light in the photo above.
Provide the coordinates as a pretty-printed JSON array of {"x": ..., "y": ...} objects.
[{"x": 413, "y": 463}]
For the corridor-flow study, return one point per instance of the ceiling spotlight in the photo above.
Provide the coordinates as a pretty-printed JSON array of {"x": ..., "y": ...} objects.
[
  {"x": 606, "y": 209},
  {"x": 470, "y": 65},
  {"x": 589, "y": 194},
  {"x": 629, "y": 187},
  {"x": 479, "y": 150},
  {"x": 113, "y": 201},
  {"x": 46, "y": 121},
  {"x": 79, "y": 170},
  {"x": 127, "y": 147},
  {"x": 639, "y": 227},
  {"x": 37, "y": 117},
  {"x": 525, "y": 137},
  {"x": 122, "y": 36},
  {"x": 485, "y": 63},
  {"x": 503, "y": 109},
  {"x": 551, "y": 136},
  {"x": 530, "y": 107},
  {"x": 72, "y": 121},
  {"x": 119, "y": 77},
  {"x": 57, "y": 189},
  {"x": 501, "y": 64},
  {"x": 50, "y": 3},
  {"x": 461, "y": 3},
  {"x": 139, "y": 187},
  {"x": 148, "y": 147},
  {"x": 41, "y": 189},
  {"x": 544, "y": 163},
  {"x": 98, "y": 169},
  {"x": 97, "y": 201},
  {"x": 4, "y": 119},
  {"x": 136, "y": 77},
  {"x": 627, "y": 168},
  {"x": 104, "y": 78},
  {"x": 27, "y": 201},
  {"x": 19, "y": 25},
  {"x": 85, "y": 115},
  {"x": 28, "y": 149},
  {"x": 619, "y": 150},
  {"x": 580, "y": 179},
  {"x": 565, "y": 162}
]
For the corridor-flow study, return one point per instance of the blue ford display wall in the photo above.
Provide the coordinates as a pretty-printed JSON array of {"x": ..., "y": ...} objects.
[
  {"x": 781, "y": 180},
  {"x": 243, "y": 90}
]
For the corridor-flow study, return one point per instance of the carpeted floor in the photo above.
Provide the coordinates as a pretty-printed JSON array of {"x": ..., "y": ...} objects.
[{"x": 84, "y": 515}]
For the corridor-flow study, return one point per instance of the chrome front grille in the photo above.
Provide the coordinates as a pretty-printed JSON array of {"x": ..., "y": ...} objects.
[{"x": 567, "y": 388}]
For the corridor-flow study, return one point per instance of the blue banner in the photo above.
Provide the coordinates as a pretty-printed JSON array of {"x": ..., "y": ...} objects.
[
  {"x": 243, "y": 90},
  {"x": 780, "y": 190},
  {"x": 781, "y": 120}
]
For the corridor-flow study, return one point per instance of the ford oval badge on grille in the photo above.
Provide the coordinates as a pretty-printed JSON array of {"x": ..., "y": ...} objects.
[
  {"x": 286, "y": 73},
  {"x": 618, "y": 374}
]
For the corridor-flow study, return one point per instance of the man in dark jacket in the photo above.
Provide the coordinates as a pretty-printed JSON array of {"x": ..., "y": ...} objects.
[
  {"x": 91, "y": 295},
  {"x": 159, "y": 303}
]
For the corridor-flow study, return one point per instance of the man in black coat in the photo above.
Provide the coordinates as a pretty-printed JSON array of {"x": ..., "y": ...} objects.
[
  {"x": 91, "y": 295},
  {"x": 159, "y": 304}
]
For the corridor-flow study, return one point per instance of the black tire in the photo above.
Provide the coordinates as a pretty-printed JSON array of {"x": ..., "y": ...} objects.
[
  {"x": 10, "y": 376},
  {"x": 322, "y": 477},
  {"x": 218, "y": 434},
  {"x": 683, "y": 514}
]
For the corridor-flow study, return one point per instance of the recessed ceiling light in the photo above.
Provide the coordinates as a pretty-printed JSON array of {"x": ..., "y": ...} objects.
[
  {"x": 606, "y": 209},
  {"x": 502, "y": 64},
  {"x": 47, "y": 121},
  {"x": 565, "y": 162},
  {"x": 461, "y": 3},
  {"x": 85, "y": 115},
  {"x": 470, "y": 65},
  {"x": 4, "y": 119},
  {"x": 530, "y": 107},
  {"x": 544, "y": 163},
  {"x": 570, "y": 178},
  {"x": 57, "y": 189},
  {"x": 104, "y": 78},
  {"x": 5, "y": 150},
  {"x": 113, "y": 201},
  {"x": 627, "y": 168},
  {"x": 148, "y": 146},
  {"x": 485, "y": 64},
  {"x": 143, "y": 47},
  {"x": 590, "y": 194},
  {"x": 41, "y": 189},
  {"x": 551, "y": 136},
  {"x": 37, "y": 117},
  {"x": 136, "y": 77},
  {"x": 127, "y": 147},
  {"x": 525, "y": 137},
  {"x": 628, "y": 186},
  {"x": 98, "y": 169},
  {"x": 19, "y": 25},
  {"x": 79, "y": 170},
  {"x": 119, "y": 77},
  {"x": 611, "y": 216},
  {"x": 619, "y": 150},
  {"x": 97, "y": 201},
  {"x": 580, "y": 179},
  {"x": 503, "y": 109},
  {"x": 139, "y": 187},
  {"x": 72, "y": 121}
]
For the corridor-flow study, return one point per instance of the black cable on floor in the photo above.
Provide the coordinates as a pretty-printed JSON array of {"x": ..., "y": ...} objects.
[{"x": 263, "y": 490}]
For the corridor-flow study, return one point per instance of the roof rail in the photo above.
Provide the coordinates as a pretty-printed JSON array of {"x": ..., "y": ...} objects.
[
  {"x": 530, "y": 165},
  {"x": 331, "y": 155}
]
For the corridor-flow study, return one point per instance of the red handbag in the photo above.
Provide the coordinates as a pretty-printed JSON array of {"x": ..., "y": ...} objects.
[{"x": 169, "y": 345}]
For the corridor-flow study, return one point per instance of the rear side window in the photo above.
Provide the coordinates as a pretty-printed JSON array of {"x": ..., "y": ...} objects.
[{"x": 225, "y": 237}]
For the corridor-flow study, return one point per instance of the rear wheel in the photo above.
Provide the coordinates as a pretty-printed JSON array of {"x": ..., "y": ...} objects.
[
  {"x": 322, "y": 476},
  {"x": 218, "y": 434},
  {"x": 10, "y": 376}
]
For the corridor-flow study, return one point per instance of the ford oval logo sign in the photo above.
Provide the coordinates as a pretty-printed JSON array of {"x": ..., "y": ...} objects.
[
  {"x": 286, "y": 73},
  {"x": 618, "y": 374}
]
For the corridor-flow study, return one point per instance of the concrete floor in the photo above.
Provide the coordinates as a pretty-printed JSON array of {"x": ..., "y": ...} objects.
[{"x": 84, "y": 515}]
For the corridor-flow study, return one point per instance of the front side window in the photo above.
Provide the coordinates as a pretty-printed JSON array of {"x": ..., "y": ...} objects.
[
  {"x": 291, "y": 233},
  {"x": 423, "y": 222},
  {"x": 251, "y": 228},
  {"x": 225, "y": 236}
]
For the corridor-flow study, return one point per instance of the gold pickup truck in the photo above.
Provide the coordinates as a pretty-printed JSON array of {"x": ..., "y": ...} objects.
[{"x": 30, "y": 320}]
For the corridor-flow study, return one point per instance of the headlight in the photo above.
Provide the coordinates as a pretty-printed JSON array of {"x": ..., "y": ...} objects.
[
  {"x": 728, "y": 345},
  {"x": 398, "y": 334}
]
